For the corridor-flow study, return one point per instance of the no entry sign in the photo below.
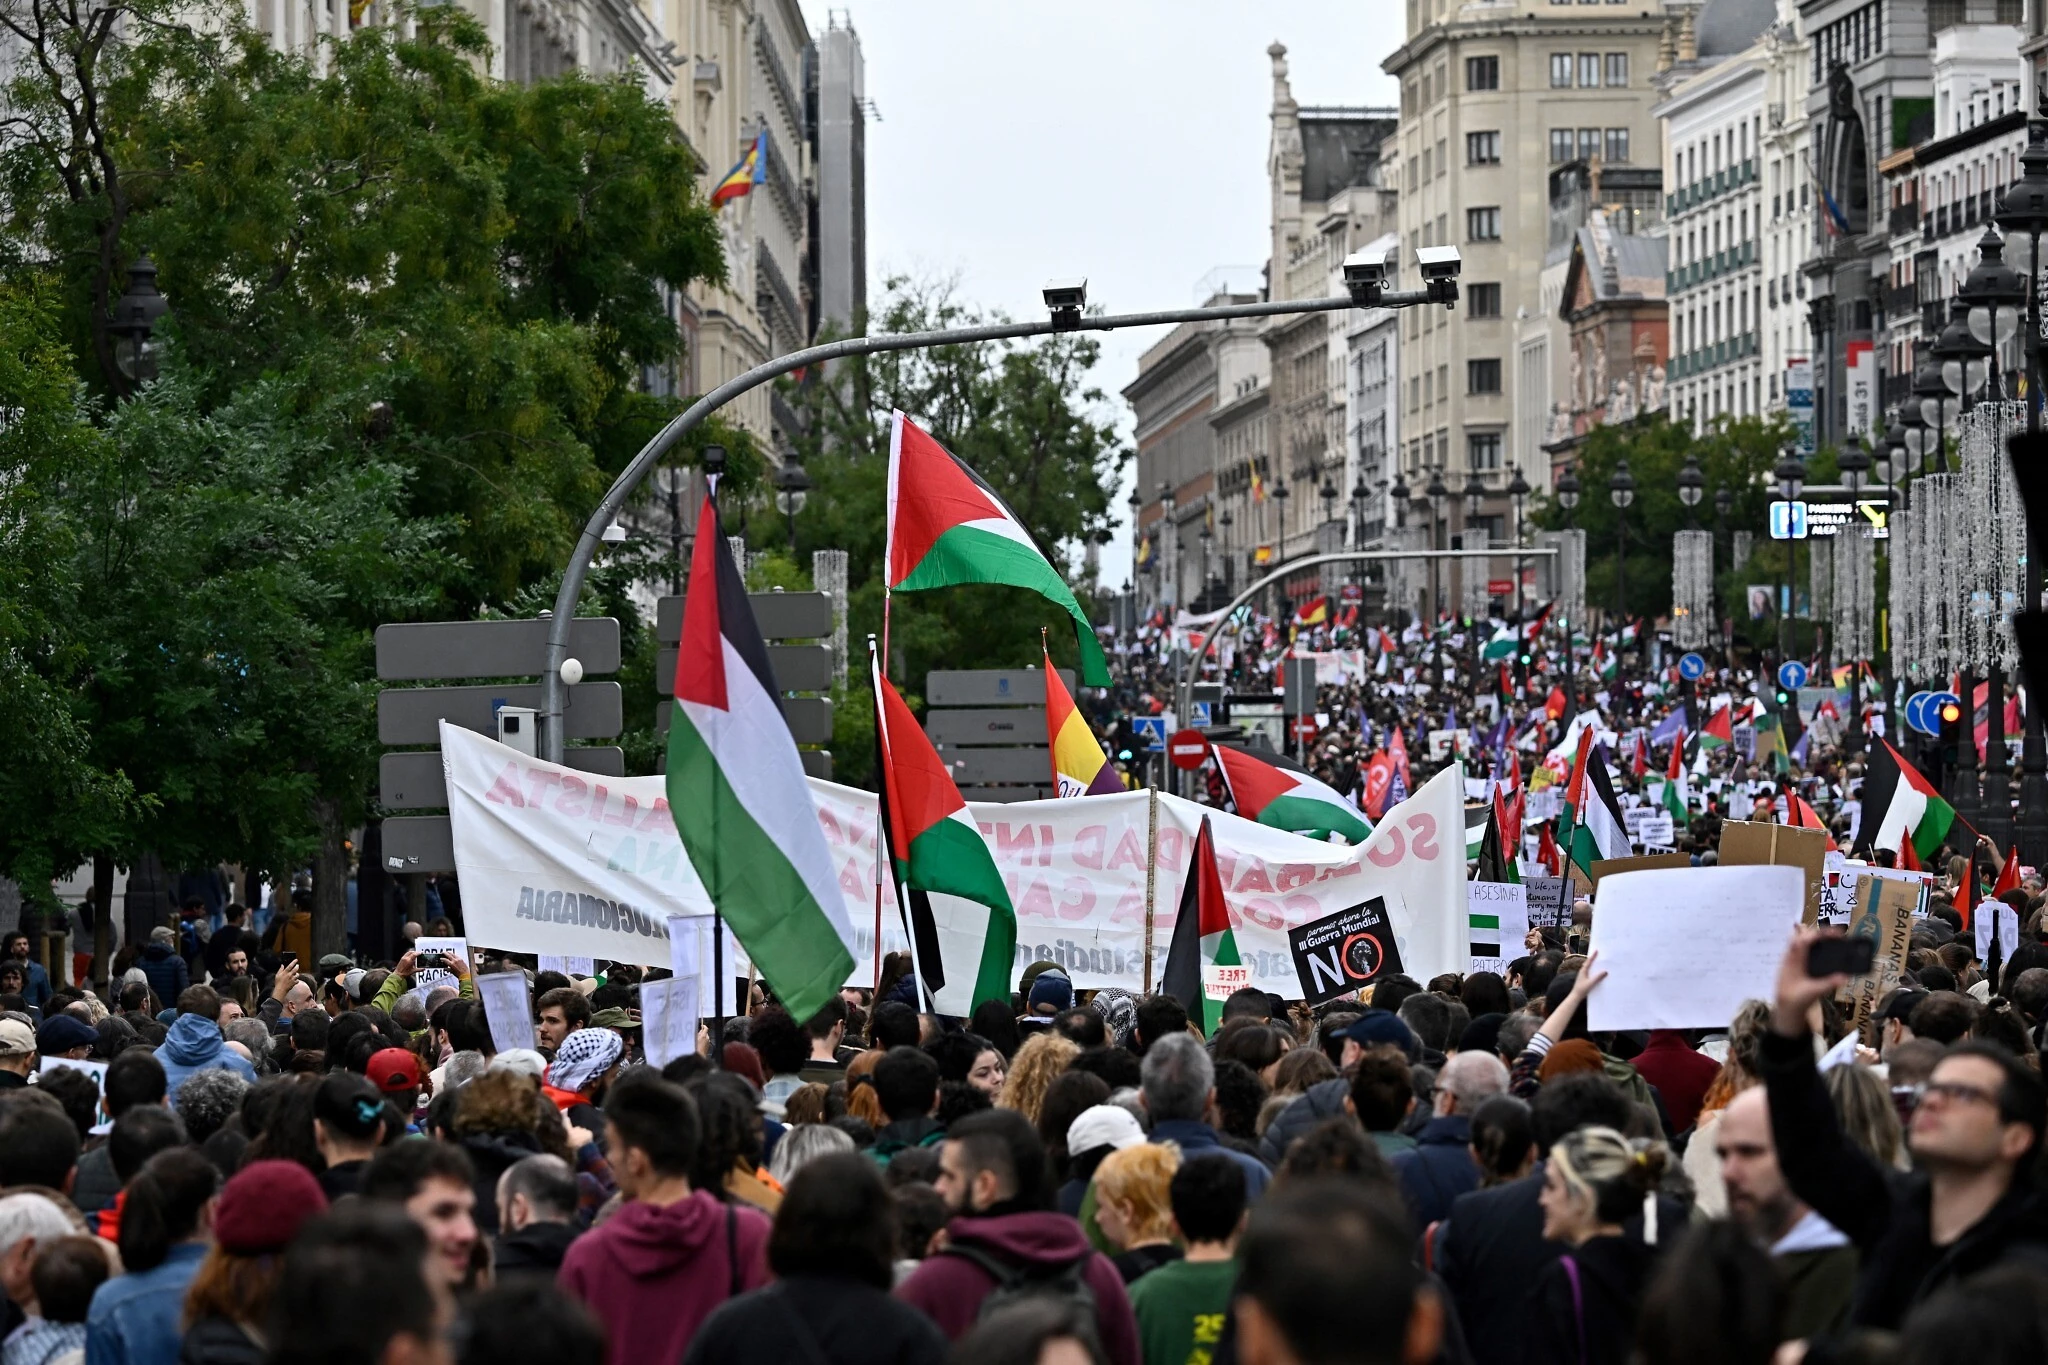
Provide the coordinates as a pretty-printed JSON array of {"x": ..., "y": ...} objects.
[{"x": 1187, "y": 749}]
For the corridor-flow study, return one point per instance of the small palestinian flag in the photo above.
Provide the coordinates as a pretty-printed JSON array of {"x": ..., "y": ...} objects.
[
  {"x": 1719, "y": 731},
  {"x": 1202, "y": 965},
  {"x": 1287, "y": 798},
  {"x": 1674, "y": 797}
]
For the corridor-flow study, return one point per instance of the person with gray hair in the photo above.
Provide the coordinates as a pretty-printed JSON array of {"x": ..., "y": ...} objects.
[
  {"x": 803, "y": 1144},
  {"x": 27, "y": 1222},
  {"x": 458, "y": 1071},
  {"x": 1440, "y": 1167},
  {"x": 254, "y": 1035},
  {"x": 207, "y": 1100},
  {"x": 1177, "y": 1086},
  {"x": 409, "y": 1012},
  {"x": 537, "y": 1199}
]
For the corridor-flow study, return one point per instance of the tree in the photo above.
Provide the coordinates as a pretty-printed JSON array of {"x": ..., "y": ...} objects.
[{"x": 1024, "y": 417}]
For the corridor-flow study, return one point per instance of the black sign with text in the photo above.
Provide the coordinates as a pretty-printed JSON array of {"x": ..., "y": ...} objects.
[{"x": 1341, "y": 953}]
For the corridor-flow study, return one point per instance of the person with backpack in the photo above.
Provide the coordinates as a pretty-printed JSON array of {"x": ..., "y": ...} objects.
[{"x": 1005, "y": 1244}]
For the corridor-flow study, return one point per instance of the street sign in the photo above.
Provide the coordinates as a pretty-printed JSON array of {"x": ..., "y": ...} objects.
[
  {"x": 1187, "y": 749},
  {"x": 1788, "y": 520},
  {"x": 1011, "y": 726},
  {"x": 1203, "y": 710},
  {"x": 1299, "y": 689},
  {"x": 1915, "y": 712},
  {"x": 797, "y": 668},
  {"x": 1792, "y": 675},
  {"x": 1935, "y": 706},
  {"x": 980, "y": 767},
  {"x": 1499, "y": 587},
  {"x": 1305, "y": 728},
  {"x": 780, "y": 615},
  {"x": 412, "y": 715},
  {"x": 1691, "y": 667},
  {"x": 418, "y": 843},
  {"x": 989, "y": 686},
  {"x": 1151, "y": 732},
  {"x": 419, "y": 651},
  {"x": 809, "y": 718}
]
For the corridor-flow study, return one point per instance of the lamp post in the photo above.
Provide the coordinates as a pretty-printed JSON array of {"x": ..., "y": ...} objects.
[
  {"x": 1436, "y": 492},
  {"x": 1518, "y": 490},
  {"x": 1568, "y": 499},
  {"x": 1692, "y": 486},
  {"x": 2024, "y": 210},
  {"x": 1965, "y": 362},
  {"x": 1992, "y": 296},
  {"x": 1820, "y": 313},
  {"x": 1791, "y": 475},
  {"x": 1621, "y": 490},
  {"x": 1724, "y": 503},
  {"x": 792, "y": 486},
  {"x": 1137, "y": 501},
  {"x": 1280, "y": 496},
  {"x": 1399, "y": 493},
  {"x": 132, "y": 321},
  {"x": 1937, "y": 409},
  {"x": 1229, "y": 564},
  {"x": 1169, "y": 537},
  {"x": 1475, "y": 493}
]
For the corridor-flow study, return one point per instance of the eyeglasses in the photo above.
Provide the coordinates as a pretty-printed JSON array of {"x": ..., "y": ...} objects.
[{"x": 1953, "y": 1092}]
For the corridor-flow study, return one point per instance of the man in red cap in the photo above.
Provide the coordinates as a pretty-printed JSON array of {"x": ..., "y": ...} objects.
[{"x": 402, "y": 1078}]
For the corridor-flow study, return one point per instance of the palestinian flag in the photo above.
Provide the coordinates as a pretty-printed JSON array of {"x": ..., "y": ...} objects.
[
  {"x": 1719, "y": 731},
  {"x": 1532, "y": 629},
  {"x": 1202, "y": 965},
  {"x": 1899, "y": 803},
  {"x": 1500, "y": 646},
  {"x": 1079, "y": 767},
  {"x": 1641, "y": 761},
  {"x": 737, "y": 792},
  {"x": 1800, "y": 814},
  {"x": 936, "y": 847},
  {"x": 947, "y": 527},
  {"x": 1674, "y": 797},
  {"x": 1547, "y": 851},
  {"x": 1477, "y": 818},
  {"x": 1498, "y": 850},
  {"x": 1287, "y": 797},
  {"x": 1604, "y": 664},
  {"x": 1596, "y": 824}
]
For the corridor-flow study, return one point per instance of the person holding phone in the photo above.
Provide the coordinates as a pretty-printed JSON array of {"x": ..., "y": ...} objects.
[{"x": 1970, "y": 1200}]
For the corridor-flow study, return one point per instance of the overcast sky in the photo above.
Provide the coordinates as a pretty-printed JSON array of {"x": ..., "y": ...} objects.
[{"x": 1122, "y": 140}]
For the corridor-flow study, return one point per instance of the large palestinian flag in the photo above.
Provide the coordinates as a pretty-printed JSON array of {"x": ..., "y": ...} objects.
[
  {"x": 1287, "y": 798},
  {"x": 1079, "y": 767},
  {"x": 737, "y": 792},
  {"x": 947, "y": 527},
  {"x": 936, "y": 847},
  {"x": 1202, "y": 965},
  {"x": 1898, "y": 802}
]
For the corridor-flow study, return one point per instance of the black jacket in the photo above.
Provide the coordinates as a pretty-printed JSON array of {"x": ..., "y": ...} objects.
[
  {"x": 1439, "y": 1169},
  {"x": 216, "y": 1341},
  {"x": 535, "y": 1249},
  {"x": 1597, "y": 1325},
  {"x": 1323, "y": 1100},
  {"x": 1884, "y": 1213},
  {"x": 816, "y": 1322},
  {"x": 492, "y": 1154}
]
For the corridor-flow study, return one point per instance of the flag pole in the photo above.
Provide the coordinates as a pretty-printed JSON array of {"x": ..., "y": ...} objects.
[
  {"x": 881, "y": 851},
  {"x": 719, "y": 985},
  {"x": 1151, "y": 875}
]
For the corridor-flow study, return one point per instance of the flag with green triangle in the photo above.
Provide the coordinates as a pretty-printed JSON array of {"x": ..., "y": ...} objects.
[{"x": 1202, "y": 963}]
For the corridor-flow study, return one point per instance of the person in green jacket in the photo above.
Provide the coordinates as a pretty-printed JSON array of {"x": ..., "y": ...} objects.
[{"x": 1180, "y": 1306}]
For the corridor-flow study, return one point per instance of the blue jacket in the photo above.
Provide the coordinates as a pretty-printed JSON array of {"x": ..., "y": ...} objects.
[
  {"x": 134, "y": 1319},
  {"x": 36, "y": 989},
  {"x": 1194, "y": 1138},
  {"x": 1438, "y": 1170},
  {"x": 167, "y": 972},
  {"x": 195, "y": 1045}
]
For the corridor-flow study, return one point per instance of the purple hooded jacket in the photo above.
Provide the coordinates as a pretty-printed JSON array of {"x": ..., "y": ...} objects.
[
  {"x": 949, "y": 1289},
  {"x": 652, "y": 1275}
]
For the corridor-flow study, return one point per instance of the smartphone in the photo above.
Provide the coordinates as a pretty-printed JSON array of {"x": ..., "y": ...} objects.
[{"x": 1849, "y": 956}]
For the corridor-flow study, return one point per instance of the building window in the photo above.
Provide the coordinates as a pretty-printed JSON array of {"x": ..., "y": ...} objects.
[
  {"x": 1617, "y": 144},
  {"x": 1560, "y": 70},
  {"x": 1482, "y": 376},
  {"x": 1482, "y": 450},
  {"x": 1482, "y": 73},
  {"x": 1589, "y": 143},
  {"x": 1482, "y": 149},
  {"x": 1589, "y": 69},
  {"x": 1617, "y": 68},
  {"x": 1560, "y": 145},
  {"x": 1482, "y": 225},
  {"x": 1482, "y": 300}
]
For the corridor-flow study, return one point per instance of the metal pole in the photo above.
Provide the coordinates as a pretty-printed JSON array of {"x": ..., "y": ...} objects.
[
  {"x": 2033, "y": 822},
  {"x": 553, "y": 693}
]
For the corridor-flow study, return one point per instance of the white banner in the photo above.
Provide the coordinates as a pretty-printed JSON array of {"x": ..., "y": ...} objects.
[{"x": 555, "y": 861}]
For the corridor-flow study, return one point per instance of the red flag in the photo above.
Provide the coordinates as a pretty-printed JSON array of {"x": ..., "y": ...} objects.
[
  {"x": 1546, "y": 851},
  {"x": 1509, "y": 822},
  {"x": 1379, "y": 775},
  {"x": 1555, "y": 703},
  {"x": 1676, "y": 769},
  {"x": 1909, "y": 858},
  {"x": 1397, "y": 749},
  {"x": 1966, "y": 894},
  {"x": 1514, "y": 783},
  {"x": 1799, "y": 813},
  {"x": 1642, "y": 763},
  {"x": 1507, "y": 684}
]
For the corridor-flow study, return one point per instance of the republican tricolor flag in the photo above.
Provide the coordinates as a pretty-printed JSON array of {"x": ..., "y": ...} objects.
[
  {"x": 737, "y": 792},
  {"x": 1079, "y": 767}
]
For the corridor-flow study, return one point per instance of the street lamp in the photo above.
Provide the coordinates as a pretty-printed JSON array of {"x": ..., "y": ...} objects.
[
  {"x": 1621, "y": 490},
  {"x": 1854, "y": 463},
  {"x": 1568, "y": 493},
  {"x": 1518, "y": 489},
  {"x": 1399, "y": 493},
  {"x": 1692, "y": 486},
  {"x": 1791, "y": 475},
  {"x": 132, "y": 321},
  {"x": 1328, "y": 493},
  {"x": 1229, "y": 566},
  {"x": 1993, "y": 293},
  {"x": 792, "y": 486},
  {"x": 1937, "y": 410},
  {"x": 1965, "y": 362}
]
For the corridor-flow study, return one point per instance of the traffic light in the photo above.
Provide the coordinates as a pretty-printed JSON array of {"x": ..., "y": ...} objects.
[
  {"x": 1784, "y": 698},
  {"x": 1951, "y": 712}
]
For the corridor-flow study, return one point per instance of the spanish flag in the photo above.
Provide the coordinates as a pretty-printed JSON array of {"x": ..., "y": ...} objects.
[
  {"x": 749, "y": 171},
  {"x": 1079, "y": 767},
  {"x": 1258, "y": 484}
]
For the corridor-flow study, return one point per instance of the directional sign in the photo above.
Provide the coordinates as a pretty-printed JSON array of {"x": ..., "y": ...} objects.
[
  {"x": 1187, "y": 749},
  {"x": 1792, "y": 675},
  {"x": 412, "y": 715},
  {"x": 989, "y": 686},
  {"x": 1151, "y": 730},
  {"x": 1691, "y": 667},
  {"x": 414, "y": 780},
  {"x": 1788, "y": 520},
  {"x": 1915, "y": 712},
  {"x": 809, "y": 719},
  {"x": 419, "y": 651},
  {"x": 797, "y": 668},
  {"x": 780, "y": 615}
]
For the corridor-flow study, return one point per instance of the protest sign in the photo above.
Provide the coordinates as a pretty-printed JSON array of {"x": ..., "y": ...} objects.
[
  {"x": 668, "y": 1019},
  {"x": 1684, "y": 948},
  {"x": 567, "y": 966},
  {"x": 508, "y": 1008},
  {"x": 1547, "y": 902},
  {"x": 1760, "y": 844},
  {"x": 1658, "y": 831},
  {"x": 1338, "y": 955},
  {"x": 1882, "y": 910},
  {"x": 1607, "y": 867},
  {"x": 1499, "y": 915},
  {"x": 427, "y": 978}
]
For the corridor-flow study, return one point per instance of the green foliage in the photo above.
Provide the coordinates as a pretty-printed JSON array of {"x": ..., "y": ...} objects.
[{"x": 1026, "y": 418}]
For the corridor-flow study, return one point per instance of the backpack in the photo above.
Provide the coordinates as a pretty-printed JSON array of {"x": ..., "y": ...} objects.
[{"x": 1065, "y": 1283}]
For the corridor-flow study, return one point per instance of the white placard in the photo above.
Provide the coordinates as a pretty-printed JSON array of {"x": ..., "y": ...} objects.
[
  {"x": 668, "y": 1019},
  {"x": 1657, "y": 829},
  {"x": 427, "y": 979},
  {"x": 96, "y": 1070},
  {"x": 508, "y": 1006},
  {"x": 567, "y": 966},
  {"x": 1509, "y": 903},
  {"x": 1684, "y": 947}
]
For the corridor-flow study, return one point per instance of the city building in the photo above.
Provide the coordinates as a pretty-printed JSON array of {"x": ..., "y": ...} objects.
[
  {"x": 1618, "y": 341},
  {"x": 1493, "y": 98},
  {"x": 1737, "y": 209},
  {"x": 835, "y": 88}
]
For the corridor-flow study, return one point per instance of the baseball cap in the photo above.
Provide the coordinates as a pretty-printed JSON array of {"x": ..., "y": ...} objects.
[
  {"x": 393, "y": 1069},
  {"x": 16, "y": 1038},
  {"x": 1103, "y": 1125},
  {"x": 614, "y": 1017},
  {"x": 62, "y": 1032},
  {"x": 1377, "y": 1027}
]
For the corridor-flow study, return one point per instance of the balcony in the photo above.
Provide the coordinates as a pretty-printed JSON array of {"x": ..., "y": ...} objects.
[
  {"x": 1905, "y": 218},
  {"x": 1901, "y": 301}
]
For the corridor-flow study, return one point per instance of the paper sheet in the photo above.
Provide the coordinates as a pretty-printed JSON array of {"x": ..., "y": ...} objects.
[
  {"x": 509, "y": 1008},
  {"x": 668, "y": 1019},
  {"x": 1684, "y": 947}
]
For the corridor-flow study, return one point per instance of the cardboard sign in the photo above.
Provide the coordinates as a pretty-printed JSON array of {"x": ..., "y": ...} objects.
[
  {"x": 1338, "y": 954},
  {"x": 508, "y": 1008},
  {"x": 1745, "y": 844},
  {"x": 428, "y": 979},
  {"x": 1648, "y": 862},
  {"x": 1883, "y": 910}
]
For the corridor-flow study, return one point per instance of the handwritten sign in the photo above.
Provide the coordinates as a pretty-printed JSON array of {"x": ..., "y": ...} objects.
[
  {"x": 508, "y": 1008},
  {"x": 1499, "y": 916}
]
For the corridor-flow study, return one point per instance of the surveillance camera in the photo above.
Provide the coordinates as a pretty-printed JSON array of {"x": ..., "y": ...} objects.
[
  {"x": 1064, "y": 295},
  {"x": 1362, "y": 267},
  {"x": 614, "y": 534},
  {"x": 1438, "y": 262}
]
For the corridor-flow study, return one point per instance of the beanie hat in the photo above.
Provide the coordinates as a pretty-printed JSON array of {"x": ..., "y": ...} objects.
[
  {"x": 1051, "y": 988},
  {"x": 263, "y": 1206}
]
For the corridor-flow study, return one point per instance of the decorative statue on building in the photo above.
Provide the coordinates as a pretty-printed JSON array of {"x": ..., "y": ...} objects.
[
  {"x": 1841, "y": 93},
  {"x": 1560, "y": 425},
  {"x": 1621, "y": 402},
  {"x": 1653, "y": 388}
]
